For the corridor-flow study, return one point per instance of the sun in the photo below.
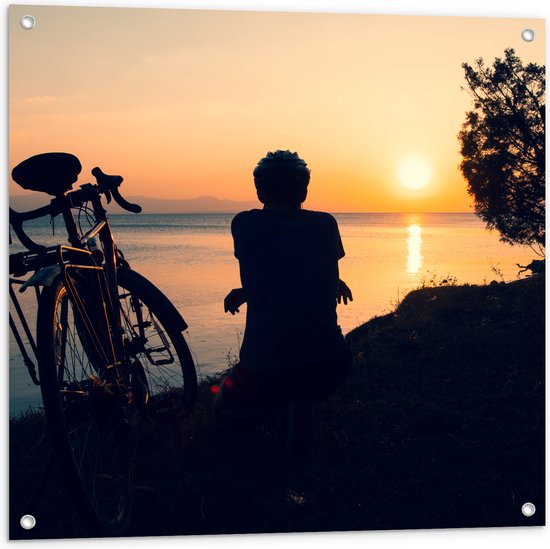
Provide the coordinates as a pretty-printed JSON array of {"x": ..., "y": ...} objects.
[{"x": 414, "y": 172}]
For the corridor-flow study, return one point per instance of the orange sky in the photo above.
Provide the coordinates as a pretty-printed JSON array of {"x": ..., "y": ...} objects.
[{"x": 183, "y": 103}]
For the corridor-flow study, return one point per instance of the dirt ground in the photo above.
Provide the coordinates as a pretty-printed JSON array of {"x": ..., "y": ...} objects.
[{"x": 439, "y": 425}]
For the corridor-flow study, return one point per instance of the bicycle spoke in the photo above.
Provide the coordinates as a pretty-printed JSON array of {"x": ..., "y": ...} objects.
[{"x": 158, "y": 351}]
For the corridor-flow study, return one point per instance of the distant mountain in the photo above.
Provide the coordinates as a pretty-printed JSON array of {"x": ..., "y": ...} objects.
[{"x": 202, "y": 204}]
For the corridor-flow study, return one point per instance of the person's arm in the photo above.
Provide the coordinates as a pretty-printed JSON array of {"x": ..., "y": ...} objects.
[
  {"x": 236, "y": 297},
  {"x": 233, "y": 300},
  {"x": 343, "y": 292}
]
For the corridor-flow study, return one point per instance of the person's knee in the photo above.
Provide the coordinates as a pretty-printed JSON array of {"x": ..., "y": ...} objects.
[{"x": 231, "y": 414}]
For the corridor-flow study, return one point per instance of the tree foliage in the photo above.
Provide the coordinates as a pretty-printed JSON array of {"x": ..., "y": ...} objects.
[{"x": 502, "y": 145}]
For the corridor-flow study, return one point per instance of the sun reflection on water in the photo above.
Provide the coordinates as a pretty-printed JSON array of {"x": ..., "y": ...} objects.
[{"x": 414, "y": 247}]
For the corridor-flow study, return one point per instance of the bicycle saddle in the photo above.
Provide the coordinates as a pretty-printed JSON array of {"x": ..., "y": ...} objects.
[{"x": 52, "y": 173}]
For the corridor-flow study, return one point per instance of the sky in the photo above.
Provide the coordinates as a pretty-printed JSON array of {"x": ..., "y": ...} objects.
[
  {"x": 479, "y": 537},
  {"x": 183, "y": 103}
]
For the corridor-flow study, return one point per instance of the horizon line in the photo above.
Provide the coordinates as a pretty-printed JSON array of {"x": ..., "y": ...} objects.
[
  {"x": 245, "y": 206},
  {"x": 327, "y": 211}
]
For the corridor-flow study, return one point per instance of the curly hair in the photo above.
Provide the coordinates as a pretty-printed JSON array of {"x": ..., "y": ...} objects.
[{"x": 282, "y": 177}]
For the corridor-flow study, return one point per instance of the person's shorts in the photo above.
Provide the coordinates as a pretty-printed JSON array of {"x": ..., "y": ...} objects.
[{"x": 251, "y": 388}]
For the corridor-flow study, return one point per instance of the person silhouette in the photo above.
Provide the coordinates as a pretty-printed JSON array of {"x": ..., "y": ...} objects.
[{"x": 293, "y": 347}]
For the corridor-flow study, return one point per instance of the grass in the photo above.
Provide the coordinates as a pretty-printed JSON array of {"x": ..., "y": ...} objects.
[{"x": 439, "y": 425}]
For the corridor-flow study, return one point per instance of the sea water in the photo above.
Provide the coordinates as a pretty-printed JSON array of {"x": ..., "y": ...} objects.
[{"x": 190, "y": 258}]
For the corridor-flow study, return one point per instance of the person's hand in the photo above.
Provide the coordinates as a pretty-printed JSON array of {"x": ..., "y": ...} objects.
[
  {"x": 233, "y": 300},
  {"x": 343, "y": 292}
]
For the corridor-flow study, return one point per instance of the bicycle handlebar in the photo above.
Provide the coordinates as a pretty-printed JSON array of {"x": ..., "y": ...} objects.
[
  {"x": 106, "y": 184},
  {"x": 16, "y": 222},
  {"x": 111, "y": 183}
]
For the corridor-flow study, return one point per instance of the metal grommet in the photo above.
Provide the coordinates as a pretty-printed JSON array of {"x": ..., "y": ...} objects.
[
  {"x": 28, "y": 522},
  {"x": 528, "y": 35},
  {"x": 28, "y": 22},
  {"x": 528, "y": 509}
]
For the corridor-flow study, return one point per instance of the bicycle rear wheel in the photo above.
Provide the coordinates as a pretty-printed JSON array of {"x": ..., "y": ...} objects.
[
  {"x": 94, "y": 430},
  {"x": 153, "y": 338}
]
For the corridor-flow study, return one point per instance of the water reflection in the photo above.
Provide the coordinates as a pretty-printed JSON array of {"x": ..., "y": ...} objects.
[{"x": 414, "y": 247}]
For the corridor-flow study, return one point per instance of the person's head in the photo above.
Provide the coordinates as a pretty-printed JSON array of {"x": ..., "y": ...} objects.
[{"x": 281, "y": 178}]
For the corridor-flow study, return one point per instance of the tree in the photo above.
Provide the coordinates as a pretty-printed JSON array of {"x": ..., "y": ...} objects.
[{"x": 502, "y": 145}]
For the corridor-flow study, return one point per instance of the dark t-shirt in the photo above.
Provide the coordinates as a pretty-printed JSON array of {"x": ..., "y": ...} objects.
[{"x": 289, "y": 270}]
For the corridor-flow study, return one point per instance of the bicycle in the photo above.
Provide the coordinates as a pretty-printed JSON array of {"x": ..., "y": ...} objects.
[{"x": 109, "y": 344}]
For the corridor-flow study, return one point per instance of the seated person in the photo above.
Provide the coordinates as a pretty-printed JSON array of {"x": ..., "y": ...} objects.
[{"x": 292, "y": 347}]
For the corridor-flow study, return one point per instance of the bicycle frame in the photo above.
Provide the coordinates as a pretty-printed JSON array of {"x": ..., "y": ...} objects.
[
  {"x": 107, "y": 276},
  {"x": 78, "y": 261}
]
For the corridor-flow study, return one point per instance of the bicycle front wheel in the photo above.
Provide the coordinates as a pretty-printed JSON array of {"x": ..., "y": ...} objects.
[{"x": 93, "y": 428}]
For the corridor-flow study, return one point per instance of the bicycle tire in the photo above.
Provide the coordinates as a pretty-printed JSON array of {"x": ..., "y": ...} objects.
[
  {"x": 170, "y": 376},
  {"x": 170, "y": 388},
  {"x": 93, "y": 433}
]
